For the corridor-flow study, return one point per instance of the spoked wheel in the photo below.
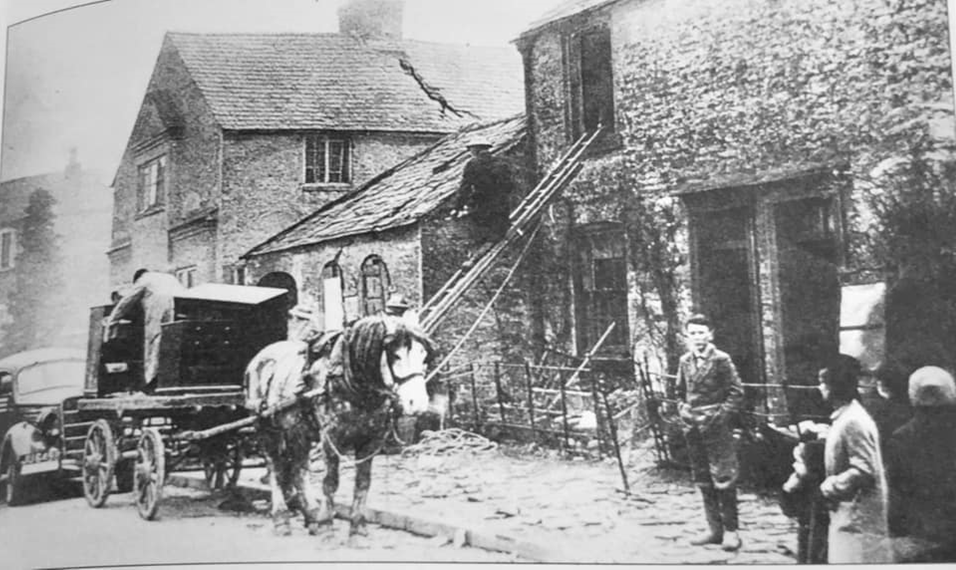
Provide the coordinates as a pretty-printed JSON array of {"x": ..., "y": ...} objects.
[
  {"x": 99, "y": 459},
  {"x": 222, "y": 468},
  {"x": 150, "y": 473}
]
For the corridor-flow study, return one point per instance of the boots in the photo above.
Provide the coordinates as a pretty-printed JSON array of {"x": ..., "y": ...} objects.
[
  {"x": 715, "y": 534},
  {"x": 728, "y": 513}
]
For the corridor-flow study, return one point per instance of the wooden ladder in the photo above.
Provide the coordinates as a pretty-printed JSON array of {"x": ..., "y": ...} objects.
[{"x": 521, "y": 220}]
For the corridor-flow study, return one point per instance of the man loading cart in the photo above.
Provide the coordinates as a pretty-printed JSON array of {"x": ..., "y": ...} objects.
[{"x": 485, "y": 194}]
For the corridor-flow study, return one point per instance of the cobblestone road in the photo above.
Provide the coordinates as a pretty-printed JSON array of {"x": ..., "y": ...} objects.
[{"x": 575, "y": 508}]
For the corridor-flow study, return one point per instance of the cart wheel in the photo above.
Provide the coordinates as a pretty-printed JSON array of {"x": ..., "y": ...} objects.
[
  {"x": 149, "y": 473},
  {"x": 222, "y": 470},
  {"x": 99, "y": 459}
]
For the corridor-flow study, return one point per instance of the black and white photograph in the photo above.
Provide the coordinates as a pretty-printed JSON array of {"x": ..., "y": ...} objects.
[{"x": 650, "y": 282}]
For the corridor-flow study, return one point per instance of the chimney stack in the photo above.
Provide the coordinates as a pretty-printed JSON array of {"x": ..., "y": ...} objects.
[{"x": 372, "y": 19}]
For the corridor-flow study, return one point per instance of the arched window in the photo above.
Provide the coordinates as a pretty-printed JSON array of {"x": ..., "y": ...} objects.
[
  {"x": 333, "y": 300},
  {"x": 281, "y": 280},
  {"x": 375, "y": 284}
]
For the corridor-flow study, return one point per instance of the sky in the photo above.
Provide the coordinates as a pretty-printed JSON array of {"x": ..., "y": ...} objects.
[{"x": 76, "y": 78}]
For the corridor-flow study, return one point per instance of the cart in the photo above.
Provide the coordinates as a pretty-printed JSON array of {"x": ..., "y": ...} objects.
[{"x": 194, "y": 416}]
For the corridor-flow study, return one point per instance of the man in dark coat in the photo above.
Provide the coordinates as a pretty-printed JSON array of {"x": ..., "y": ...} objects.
[
  {"x": 711, "y": 395},
  {"x": 921, "y": 472},
  {"x": 485, "y": 194}
]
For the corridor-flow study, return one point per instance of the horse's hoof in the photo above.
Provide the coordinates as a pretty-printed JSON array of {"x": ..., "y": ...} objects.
[
  {"x": 358, "y": 530},
  {"x": 282, "y": 529},
  {"x": 314, "y": 528}
]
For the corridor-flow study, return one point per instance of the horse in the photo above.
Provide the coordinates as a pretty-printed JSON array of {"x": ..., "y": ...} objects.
[{"x": 365, "y": 378}]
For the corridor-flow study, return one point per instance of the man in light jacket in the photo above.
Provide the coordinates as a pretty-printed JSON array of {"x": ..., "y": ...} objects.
[
  {"x": 154, "y": 292},
  {"x": 855, "y": 485}
]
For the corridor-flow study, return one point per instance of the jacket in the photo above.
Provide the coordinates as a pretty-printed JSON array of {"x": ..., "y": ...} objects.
[
  {"x": 711, "y": 388},
  {"x": 856, "y": 488}
]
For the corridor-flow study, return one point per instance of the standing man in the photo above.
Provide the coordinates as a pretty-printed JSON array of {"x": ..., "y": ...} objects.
[
  {"x": 711, "y": 395},
  {"x": 921, "y": 471},
  {"x": 154, "y": 292},
  {"x": 485, "y": 193},
  {"x": 855, "y": 484}
]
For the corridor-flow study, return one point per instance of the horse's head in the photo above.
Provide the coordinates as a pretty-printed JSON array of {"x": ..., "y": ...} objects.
[{"x": 388, "y": 356}]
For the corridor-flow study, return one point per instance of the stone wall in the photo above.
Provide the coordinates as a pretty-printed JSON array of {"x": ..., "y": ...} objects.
[
  {"x": 744, "y": 93},
  {"x": 263, "y": 189}
]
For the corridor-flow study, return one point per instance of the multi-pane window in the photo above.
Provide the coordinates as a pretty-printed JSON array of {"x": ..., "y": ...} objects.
[
  {"x": 375, "y": 283},
  {"x": 601, "y": 284},
  {"x": 590, "y": 81},
  {"x": 8, "y": 248},
  {"x": 327, "y": 160},
  {"x": 152, "y": 183},
  {"x": 187, "y": 276}
]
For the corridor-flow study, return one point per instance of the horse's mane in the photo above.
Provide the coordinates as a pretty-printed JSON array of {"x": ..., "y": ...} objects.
[{"x": 365, "y": 341}]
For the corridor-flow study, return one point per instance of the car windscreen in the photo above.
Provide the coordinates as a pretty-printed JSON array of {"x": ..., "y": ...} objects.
[{"x": 50, "y": 382}]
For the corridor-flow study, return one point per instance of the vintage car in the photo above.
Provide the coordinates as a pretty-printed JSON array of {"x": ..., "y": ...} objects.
[{"x": 38, "y": 394}]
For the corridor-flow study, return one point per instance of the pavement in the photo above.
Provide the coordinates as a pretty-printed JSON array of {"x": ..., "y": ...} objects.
[{"x": 540, "y": 507}]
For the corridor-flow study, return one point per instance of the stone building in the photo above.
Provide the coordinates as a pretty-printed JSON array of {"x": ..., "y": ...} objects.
[
  {"x": 394, "y": 234},
  {"x": 81, "y": 211},
  {"x": 242, "y": 135},
  {"x": 740, "y": 147}
]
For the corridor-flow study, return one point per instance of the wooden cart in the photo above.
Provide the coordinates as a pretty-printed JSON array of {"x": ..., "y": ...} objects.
[{"x": 139, "y": 439}]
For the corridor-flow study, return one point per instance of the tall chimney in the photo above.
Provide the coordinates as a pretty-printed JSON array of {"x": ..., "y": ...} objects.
[{"x": 372, "y": 19}]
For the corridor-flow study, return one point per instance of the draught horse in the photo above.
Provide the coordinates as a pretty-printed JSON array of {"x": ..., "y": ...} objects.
[{"x": 367, "y": 377}]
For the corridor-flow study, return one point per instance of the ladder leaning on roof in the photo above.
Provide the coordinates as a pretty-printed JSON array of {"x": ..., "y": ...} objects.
[{"x": 521, "y": 220}]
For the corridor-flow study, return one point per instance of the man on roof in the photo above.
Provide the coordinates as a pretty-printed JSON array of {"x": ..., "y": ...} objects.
[{"x": 485, "y": 194}]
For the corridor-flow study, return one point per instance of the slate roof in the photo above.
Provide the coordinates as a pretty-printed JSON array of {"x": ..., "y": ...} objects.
[
  {"x": 564, "y": 10},
  {"x": 335, "y": 81},
  {"x": 400, "y": 196}
]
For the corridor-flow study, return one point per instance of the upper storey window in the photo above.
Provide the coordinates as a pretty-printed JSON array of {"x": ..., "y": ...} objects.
[
  {"x": 151, "y": 186},
  {"x": 590, "y": 81},
  {"x": 328, "y": 159}
]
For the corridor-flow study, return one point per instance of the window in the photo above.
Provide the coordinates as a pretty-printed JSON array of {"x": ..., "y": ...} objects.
[
  {"x": 601, "y": 284},
  {"x": 8, "y": 248},
  {"x": 332, "y": 296},
  {"x": 187, "y": 276},
  {"x": 590, "y": 81},
  {"x": 327, "y": 160},
  {"x": 375, "y": 284},
  {"x": 239, "y": 275},
  {"x": 152, "y": 183}
]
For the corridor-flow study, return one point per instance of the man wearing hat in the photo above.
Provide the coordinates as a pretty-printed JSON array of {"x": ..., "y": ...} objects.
[
  {"x": 485, "y": 194},
  {"x": 397, "y": 306},
  {"x": 921, "y": 471}
]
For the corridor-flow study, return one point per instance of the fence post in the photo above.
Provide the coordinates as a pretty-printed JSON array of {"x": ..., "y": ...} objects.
[
  {"x": 527, "y": 375},
  {"x": 474, "y": 397},
  {"x": 597, "y": 413},
  {"x": 617, "y": 446},
  {"x": 501, "y": 406},
  {"x": 564, "y": 417}
]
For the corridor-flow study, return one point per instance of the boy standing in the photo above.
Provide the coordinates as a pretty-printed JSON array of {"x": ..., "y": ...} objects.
[{"x": 711, "y": 394}]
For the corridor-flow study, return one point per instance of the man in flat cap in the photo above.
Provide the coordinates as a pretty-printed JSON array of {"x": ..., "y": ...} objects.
[
  {"x": 921, "y": 471},
  {"x": 485, "y": 195}
]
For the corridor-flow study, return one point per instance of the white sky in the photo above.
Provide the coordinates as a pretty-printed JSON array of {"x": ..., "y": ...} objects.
[{"x": 76, "y": 78}]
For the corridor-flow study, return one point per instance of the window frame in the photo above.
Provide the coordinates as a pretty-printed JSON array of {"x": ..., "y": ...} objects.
[
  {"x": 151, "y": 195},
  {"x": 189, "y": 273},
  {"x": 11, "y": 261},
  {"x": 577, "y": 88},
  {"x": 310, "y": 151},
  {"x": 369, "y": 307},
  {"x": 588, "y": 295}
]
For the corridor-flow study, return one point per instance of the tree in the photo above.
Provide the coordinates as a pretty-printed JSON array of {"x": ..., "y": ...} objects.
[{"x": 39, "y": 283}]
